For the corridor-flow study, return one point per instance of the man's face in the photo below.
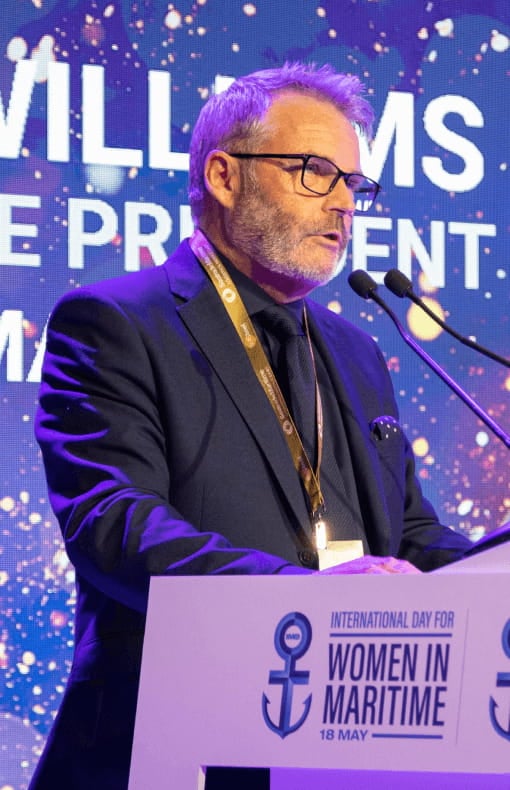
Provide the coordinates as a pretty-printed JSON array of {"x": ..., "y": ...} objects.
[{"x": 284, "y": 236}]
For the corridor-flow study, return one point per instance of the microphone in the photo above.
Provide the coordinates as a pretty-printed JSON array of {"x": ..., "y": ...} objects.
[
  {"x": 362, "y": 284},
  {"x": 402, "y": 286}
]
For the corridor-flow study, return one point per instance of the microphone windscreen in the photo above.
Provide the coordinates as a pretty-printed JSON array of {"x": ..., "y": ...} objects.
[
  {"x": 361, "y": 282},
  {"x": 398, "y": 283}
]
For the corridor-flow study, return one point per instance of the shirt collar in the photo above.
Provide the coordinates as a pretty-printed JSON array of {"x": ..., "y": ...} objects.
[{"x": 254, "y": 298}]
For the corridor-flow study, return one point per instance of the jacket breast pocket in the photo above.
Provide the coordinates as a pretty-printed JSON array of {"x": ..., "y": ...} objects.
[{"x": 391, "y": 445}]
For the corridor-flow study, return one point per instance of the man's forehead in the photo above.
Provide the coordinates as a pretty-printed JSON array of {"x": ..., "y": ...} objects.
[
  {"x": 293, "y": 110},
  {"x": 299, "y": 119}
]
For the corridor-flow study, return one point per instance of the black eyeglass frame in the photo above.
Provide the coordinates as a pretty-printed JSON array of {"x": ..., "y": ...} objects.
[{"x": 305, "y": 158}]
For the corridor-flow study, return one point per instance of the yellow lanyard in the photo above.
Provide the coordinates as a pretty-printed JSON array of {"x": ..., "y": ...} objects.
[{"x": 236, "y": 310}]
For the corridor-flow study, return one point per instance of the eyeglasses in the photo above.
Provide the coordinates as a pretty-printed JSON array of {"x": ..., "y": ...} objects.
[{"x": 320, "y": 176}]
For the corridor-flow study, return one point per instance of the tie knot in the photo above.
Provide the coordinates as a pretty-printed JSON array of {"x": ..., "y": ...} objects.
[{"x": 280, "y": 321}]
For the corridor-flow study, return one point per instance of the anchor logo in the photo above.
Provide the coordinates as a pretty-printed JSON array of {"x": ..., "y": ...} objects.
[
  {"x": 292, "y": 639},
  {"x": 502, "y": 681}
]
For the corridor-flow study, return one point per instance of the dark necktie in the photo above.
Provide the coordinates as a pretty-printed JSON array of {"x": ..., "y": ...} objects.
[{"x": 294, "y": 370}]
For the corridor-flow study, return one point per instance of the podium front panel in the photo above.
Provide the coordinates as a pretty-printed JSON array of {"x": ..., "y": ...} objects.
[{"x": 344, "y": 674}]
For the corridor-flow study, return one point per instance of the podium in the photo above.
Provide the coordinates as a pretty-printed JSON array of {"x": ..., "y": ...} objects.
[{"x": 330, "y": 681}]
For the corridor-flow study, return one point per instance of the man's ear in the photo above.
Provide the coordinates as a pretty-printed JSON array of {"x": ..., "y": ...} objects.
[{"x": 221, "y": 176}]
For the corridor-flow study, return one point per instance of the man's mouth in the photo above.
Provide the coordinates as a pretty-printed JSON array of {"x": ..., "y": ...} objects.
[{"x": 333, "y": 236}]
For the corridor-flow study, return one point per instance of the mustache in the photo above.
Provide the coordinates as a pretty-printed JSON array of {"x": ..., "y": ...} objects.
[{"x": 337, "y": 231}]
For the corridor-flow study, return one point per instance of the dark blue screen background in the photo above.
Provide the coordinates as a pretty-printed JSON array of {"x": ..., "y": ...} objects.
[{"x": 438, "y": 75}]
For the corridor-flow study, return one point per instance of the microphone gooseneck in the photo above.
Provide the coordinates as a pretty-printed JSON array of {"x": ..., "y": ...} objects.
[
  {"x": 401, "y": 286},
  {"x": 361, "y": 282}
]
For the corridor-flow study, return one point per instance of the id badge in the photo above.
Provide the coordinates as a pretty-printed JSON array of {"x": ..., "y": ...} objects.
[{"x": 338, "y": 552}]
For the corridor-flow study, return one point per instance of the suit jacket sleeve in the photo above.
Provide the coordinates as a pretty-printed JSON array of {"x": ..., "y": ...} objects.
[
  {"x": 423, "y": 540},
  {"x": 105, "y": 454},
  {"x": 398, "y": 519}
]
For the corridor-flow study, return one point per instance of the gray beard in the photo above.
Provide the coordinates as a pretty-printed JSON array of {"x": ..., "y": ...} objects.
[{"x": 265, "y": 234}]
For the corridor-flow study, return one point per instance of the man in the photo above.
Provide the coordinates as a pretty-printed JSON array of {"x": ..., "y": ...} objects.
[{"x": 168, "y": 446}]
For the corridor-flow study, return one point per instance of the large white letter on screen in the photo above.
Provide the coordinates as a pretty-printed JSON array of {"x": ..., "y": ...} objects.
[
  {"x": 472, "y": 172},
  {"x": 93, "y": 125},
  {"x": 160, "y": 124},
  {"x": 471, "y": 232},
  {"x": 397, "y": 122},
  {"x": 79, "y": 238},
  {"x": 410, "y": 242},
  {"x": 8, "y": 229},
  {"x": 34, "y": 374},
  {"x": 11, "y": 343},
  {"x": 186, "y": 226},
  {"x": 362, "y": 249},
  {"x": 58, "y": 111},
  {"x": 136, "y": 239},
  {"x": 12, "y": 123}
]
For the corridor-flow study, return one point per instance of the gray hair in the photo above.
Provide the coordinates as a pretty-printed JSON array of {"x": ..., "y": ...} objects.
[{"x": 234, "y": 118}]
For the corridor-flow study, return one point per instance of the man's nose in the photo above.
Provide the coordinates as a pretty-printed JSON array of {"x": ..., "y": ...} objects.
[{"x": 341, "y": 198}]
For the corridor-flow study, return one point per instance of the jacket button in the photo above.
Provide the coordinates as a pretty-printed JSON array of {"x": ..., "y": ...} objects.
[{"x": 308, "y": 559}]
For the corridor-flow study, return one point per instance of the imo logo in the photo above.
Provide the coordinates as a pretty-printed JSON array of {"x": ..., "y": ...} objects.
[
  {"x": 502, "y": 681},
  {"x": 292, "y": 639},
  {"x": 228, "y": 295}
]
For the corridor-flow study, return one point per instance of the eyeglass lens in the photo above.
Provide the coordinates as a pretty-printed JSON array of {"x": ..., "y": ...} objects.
[{"x": 319, "y": 175}]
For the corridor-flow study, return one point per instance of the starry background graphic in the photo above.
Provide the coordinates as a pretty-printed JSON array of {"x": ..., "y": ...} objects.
[{"x": 427, "y": 49}]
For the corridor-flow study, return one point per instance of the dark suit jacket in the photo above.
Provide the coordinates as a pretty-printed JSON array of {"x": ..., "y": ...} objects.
[{"x": 163, "y": 456}]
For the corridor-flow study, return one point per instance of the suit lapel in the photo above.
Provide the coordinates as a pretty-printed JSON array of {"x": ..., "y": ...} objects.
[{"x": 207, "y": 321}]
